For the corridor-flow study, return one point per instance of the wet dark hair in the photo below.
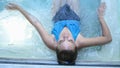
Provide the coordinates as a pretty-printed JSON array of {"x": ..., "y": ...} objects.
[{"x": 66, "y": 57}]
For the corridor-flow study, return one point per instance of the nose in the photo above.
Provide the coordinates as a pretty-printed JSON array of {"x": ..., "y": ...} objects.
[{"x": 65, "y": 37}]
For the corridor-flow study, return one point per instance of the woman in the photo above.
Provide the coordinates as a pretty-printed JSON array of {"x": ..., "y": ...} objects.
[{"x": 66, "y": 38}]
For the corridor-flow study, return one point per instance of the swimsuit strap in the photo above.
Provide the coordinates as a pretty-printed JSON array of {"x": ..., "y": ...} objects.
[{"x": 72, "y": 25}]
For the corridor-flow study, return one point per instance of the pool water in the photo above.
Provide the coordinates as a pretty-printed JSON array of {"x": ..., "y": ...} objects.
[{"x": 19, "y": 39}]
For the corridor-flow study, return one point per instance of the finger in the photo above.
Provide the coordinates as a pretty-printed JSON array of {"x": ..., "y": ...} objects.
[
  {"x": 103, "y": 5},
  {"x": 7, "y": 6},
  {"x": 10, "y": 3}
]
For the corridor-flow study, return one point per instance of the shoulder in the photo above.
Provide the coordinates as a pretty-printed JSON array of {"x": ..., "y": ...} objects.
[{"x": 54, "y": 42}]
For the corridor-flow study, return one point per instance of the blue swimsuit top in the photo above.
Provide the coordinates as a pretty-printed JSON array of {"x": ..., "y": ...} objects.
[{"x": 72, "y": 25}]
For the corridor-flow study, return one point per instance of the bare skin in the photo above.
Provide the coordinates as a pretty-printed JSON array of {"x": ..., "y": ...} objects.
[
  {"x": 74, "y": 5},
  {"x": 106, "y": 36},
  {"x": 66, "y": 36}
]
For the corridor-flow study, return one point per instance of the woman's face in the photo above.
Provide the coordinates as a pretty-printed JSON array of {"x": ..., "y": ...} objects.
[{"x": 66, "y": 43}]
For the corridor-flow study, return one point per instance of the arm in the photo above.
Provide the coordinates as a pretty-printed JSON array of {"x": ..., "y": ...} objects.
[
  {"x": 48, "y": 39},
  {"x": 106, "y": 36}
]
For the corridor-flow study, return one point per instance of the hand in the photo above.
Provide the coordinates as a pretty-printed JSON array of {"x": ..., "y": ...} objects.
[
  {"x": 12, "y": 6},
  {"x": 101, "y": 9}
]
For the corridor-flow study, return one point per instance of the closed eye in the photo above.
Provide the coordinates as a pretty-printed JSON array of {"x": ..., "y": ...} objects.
[
  {"x": 70, "y": 41},
  {"x": 61, "y": 41}
]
